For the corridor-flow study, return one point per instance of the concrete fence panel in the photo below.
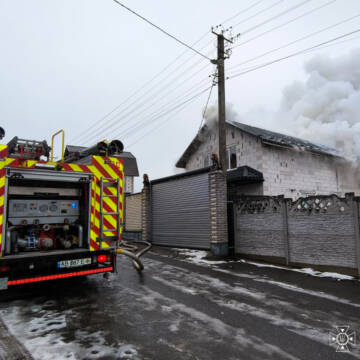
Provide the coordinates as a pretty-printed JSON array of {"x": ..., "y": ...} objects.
[
  {"x": 259, "y": 226},
  {"x": 320, "y": 231}
]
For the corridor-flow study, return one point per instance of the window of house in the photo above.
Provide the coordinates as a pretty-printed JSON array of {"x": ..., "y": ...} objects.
[
  {"x": 207, "y": 160},
  {"x": 233, "y": 164},
  {"x": 231, "y": 159}
]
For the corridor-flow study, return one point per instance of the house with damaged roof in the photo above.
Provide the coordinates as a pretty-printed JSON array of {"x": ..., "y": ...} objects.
[{"x": 262, "y": 162}]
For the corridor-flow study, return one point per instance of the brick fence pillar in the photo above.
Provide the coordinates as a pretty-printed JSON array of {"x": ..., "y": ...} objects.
[
  {"x": 146, "y": 210},
  {"x": 218, "y": 214}
]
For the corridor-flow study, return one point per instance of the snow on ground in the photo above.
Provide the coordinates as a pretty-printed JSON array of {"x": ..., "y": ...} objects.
[
  {"x": 273, "y": 309},
  {"x": 41, "y": 330},
  {"x": 198, "y": 257},
  {"x": 207, "y": 325}
]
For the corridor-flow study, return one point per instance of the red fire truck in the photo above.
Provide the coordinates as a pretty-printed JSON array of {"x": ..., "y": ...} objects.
[{"x": 58, "y": 219}]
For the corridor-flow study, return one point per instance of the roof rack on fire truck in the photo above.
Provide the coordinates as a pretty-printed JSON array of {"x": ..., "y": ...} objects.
[{"x": 28, "y": 149}]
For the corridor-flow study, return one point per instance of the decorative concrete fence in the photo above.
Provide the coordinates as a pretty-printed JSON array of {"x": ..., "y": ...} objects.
[{"x": 320, "y": 231}]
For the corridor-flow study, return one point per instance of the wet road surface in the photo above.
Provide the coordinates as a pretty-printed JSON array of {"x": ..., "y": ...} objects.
[{"x": 183, "y": 310}]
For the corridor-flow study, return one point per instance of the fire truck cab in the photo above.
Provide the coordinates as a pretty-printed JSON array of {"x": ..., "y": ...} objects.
[{"x": 58, "y": 219}]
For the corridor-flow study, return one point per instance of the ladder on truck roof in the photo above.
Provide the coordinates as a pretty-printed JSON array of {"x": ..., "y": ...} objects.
[{"x": 106, "y": 183}]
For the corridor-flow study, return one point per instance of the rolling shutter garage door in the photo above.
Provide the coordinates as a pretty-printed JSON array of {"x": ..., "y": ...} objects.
[{"x": 181, "y": 212}]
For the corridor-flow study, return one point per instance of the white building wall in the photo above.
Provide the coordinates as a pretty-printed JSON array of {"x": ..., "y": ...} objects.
[
  {"x": 296, "y": 173},
  {"x": 248, "y": 150}
]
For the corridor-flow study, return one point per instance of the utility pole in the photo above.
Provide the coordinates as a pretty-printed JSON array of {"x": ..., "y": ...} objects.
[
  {"x": 219, "y": 242},
  {"x": 221, "y": 98}
]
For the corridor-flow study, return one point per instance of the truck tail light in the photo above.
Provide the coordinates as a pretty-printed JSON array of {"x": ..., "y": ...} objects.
[
  {"x": 4, "y": 268},
  {"x": 101, "y": 258}
]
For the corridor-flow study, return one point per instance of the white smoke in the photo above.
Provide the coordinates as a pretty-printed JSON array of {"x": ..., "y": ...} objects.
[
  {"x": 324, "y": 109},
  {"x": 211, "y": 116}
]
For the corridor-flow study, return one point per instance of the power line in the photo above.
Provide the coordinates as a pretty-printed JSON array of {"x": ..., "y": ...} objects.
[
  {"x": 291, "y": 55},
  {"x": 276, "y": 16},
  {"x": 283, "y": 24},
  {"x": 162, "y": 30},
  {"x": 113, "y": 119},
  {"x": 166, "y": 120},
  {"x": 336, "y": 43},
  {"x": 142, "y": 87},
  {"x": 173, "y": 108},
  {"x": 258, "y": 13},
  {"x": 127, "y": 132},
  {"x": 97, "y": 124},
  {"x": 137, "y": 111},
  {"x": 295, "y": 41},
  {"x": 206, "y": 105},
  {"x": 316, "y": 47},
  {"x": 241, "y": 12},
  {"x": 140, "y": 102}
]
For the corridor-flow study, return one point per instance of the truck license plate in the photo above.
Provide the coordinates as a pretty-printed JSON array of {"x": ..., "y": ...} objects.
[
  {"x": 73, "y": 263},
  {"x": 3, "y": 283}
]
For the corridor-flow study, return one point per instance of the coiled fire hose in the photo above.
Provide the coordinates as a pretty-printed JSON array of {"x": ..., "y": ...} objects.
[{"x": 138, "y": 265}]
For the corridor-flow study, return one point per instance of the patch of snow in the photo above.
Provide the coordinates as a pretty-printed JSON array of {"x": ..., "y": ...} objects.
[
  {"x": 183, "y": 280},
  {"x": 197, "y": 257},
  {"x": 174, "y": 327},
  {"x": 184, "y": 288},
  {"x": 41, "y": 333},
  {"x": 326, "y": 274},
  {"x": 307, "y": 271},
  {"x": 319, "y": 294}
]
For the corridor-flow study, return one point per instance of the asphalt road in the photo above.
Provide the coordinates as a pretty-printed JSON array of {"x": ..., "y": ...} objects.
[{"x": 183, "y": 310}]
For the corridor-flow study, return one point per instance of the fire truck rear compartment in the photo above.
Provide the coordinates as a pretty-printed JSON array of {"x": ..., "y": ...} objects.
[{"x": 45, "y": 216}]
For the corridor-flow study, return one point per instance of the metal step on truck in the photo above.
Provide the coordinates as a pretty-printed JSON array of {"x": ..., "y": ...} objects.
[{"x": 58, "y": 219}]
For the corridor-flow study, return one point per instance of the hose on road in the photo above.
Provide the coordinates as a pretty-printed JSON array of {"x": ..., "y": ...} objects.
[{"x": 138, "y": 265}]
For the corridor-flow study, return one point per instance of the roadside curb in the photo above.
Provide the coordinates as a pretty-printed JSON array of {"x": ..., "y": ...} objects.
[{"x": 10, "y": 347}]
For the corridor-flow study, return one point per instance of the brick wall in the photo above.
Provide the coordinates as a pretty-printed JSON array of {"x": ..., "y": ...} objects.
[
  {"x": 146, "y": 212},
  {"x": 133, "y": 216},
  {"x": 218, "y": 208}
]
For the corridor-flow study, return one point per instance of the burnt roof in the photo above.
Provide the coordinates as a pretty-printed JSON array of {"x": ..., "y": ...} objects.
[
  {"x": 267, "y": 137},
  {"x": 130, "y": 163},
  {"x": 272, "y": 137}
]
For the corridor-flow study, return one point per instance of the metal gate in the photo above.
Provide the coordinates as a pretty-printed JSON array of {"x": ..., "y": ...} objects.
[{"x": 181, "y": 210}]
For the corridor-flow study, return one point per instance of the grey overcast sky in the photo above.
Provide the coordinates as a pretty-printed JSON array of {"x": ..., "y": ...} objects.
[{"x": 66, "y": 64}]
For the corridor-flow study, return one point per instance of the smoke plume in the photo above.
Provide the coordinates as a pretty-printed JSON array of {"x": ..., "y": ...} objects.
[{"x": 324, "y": 109}]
